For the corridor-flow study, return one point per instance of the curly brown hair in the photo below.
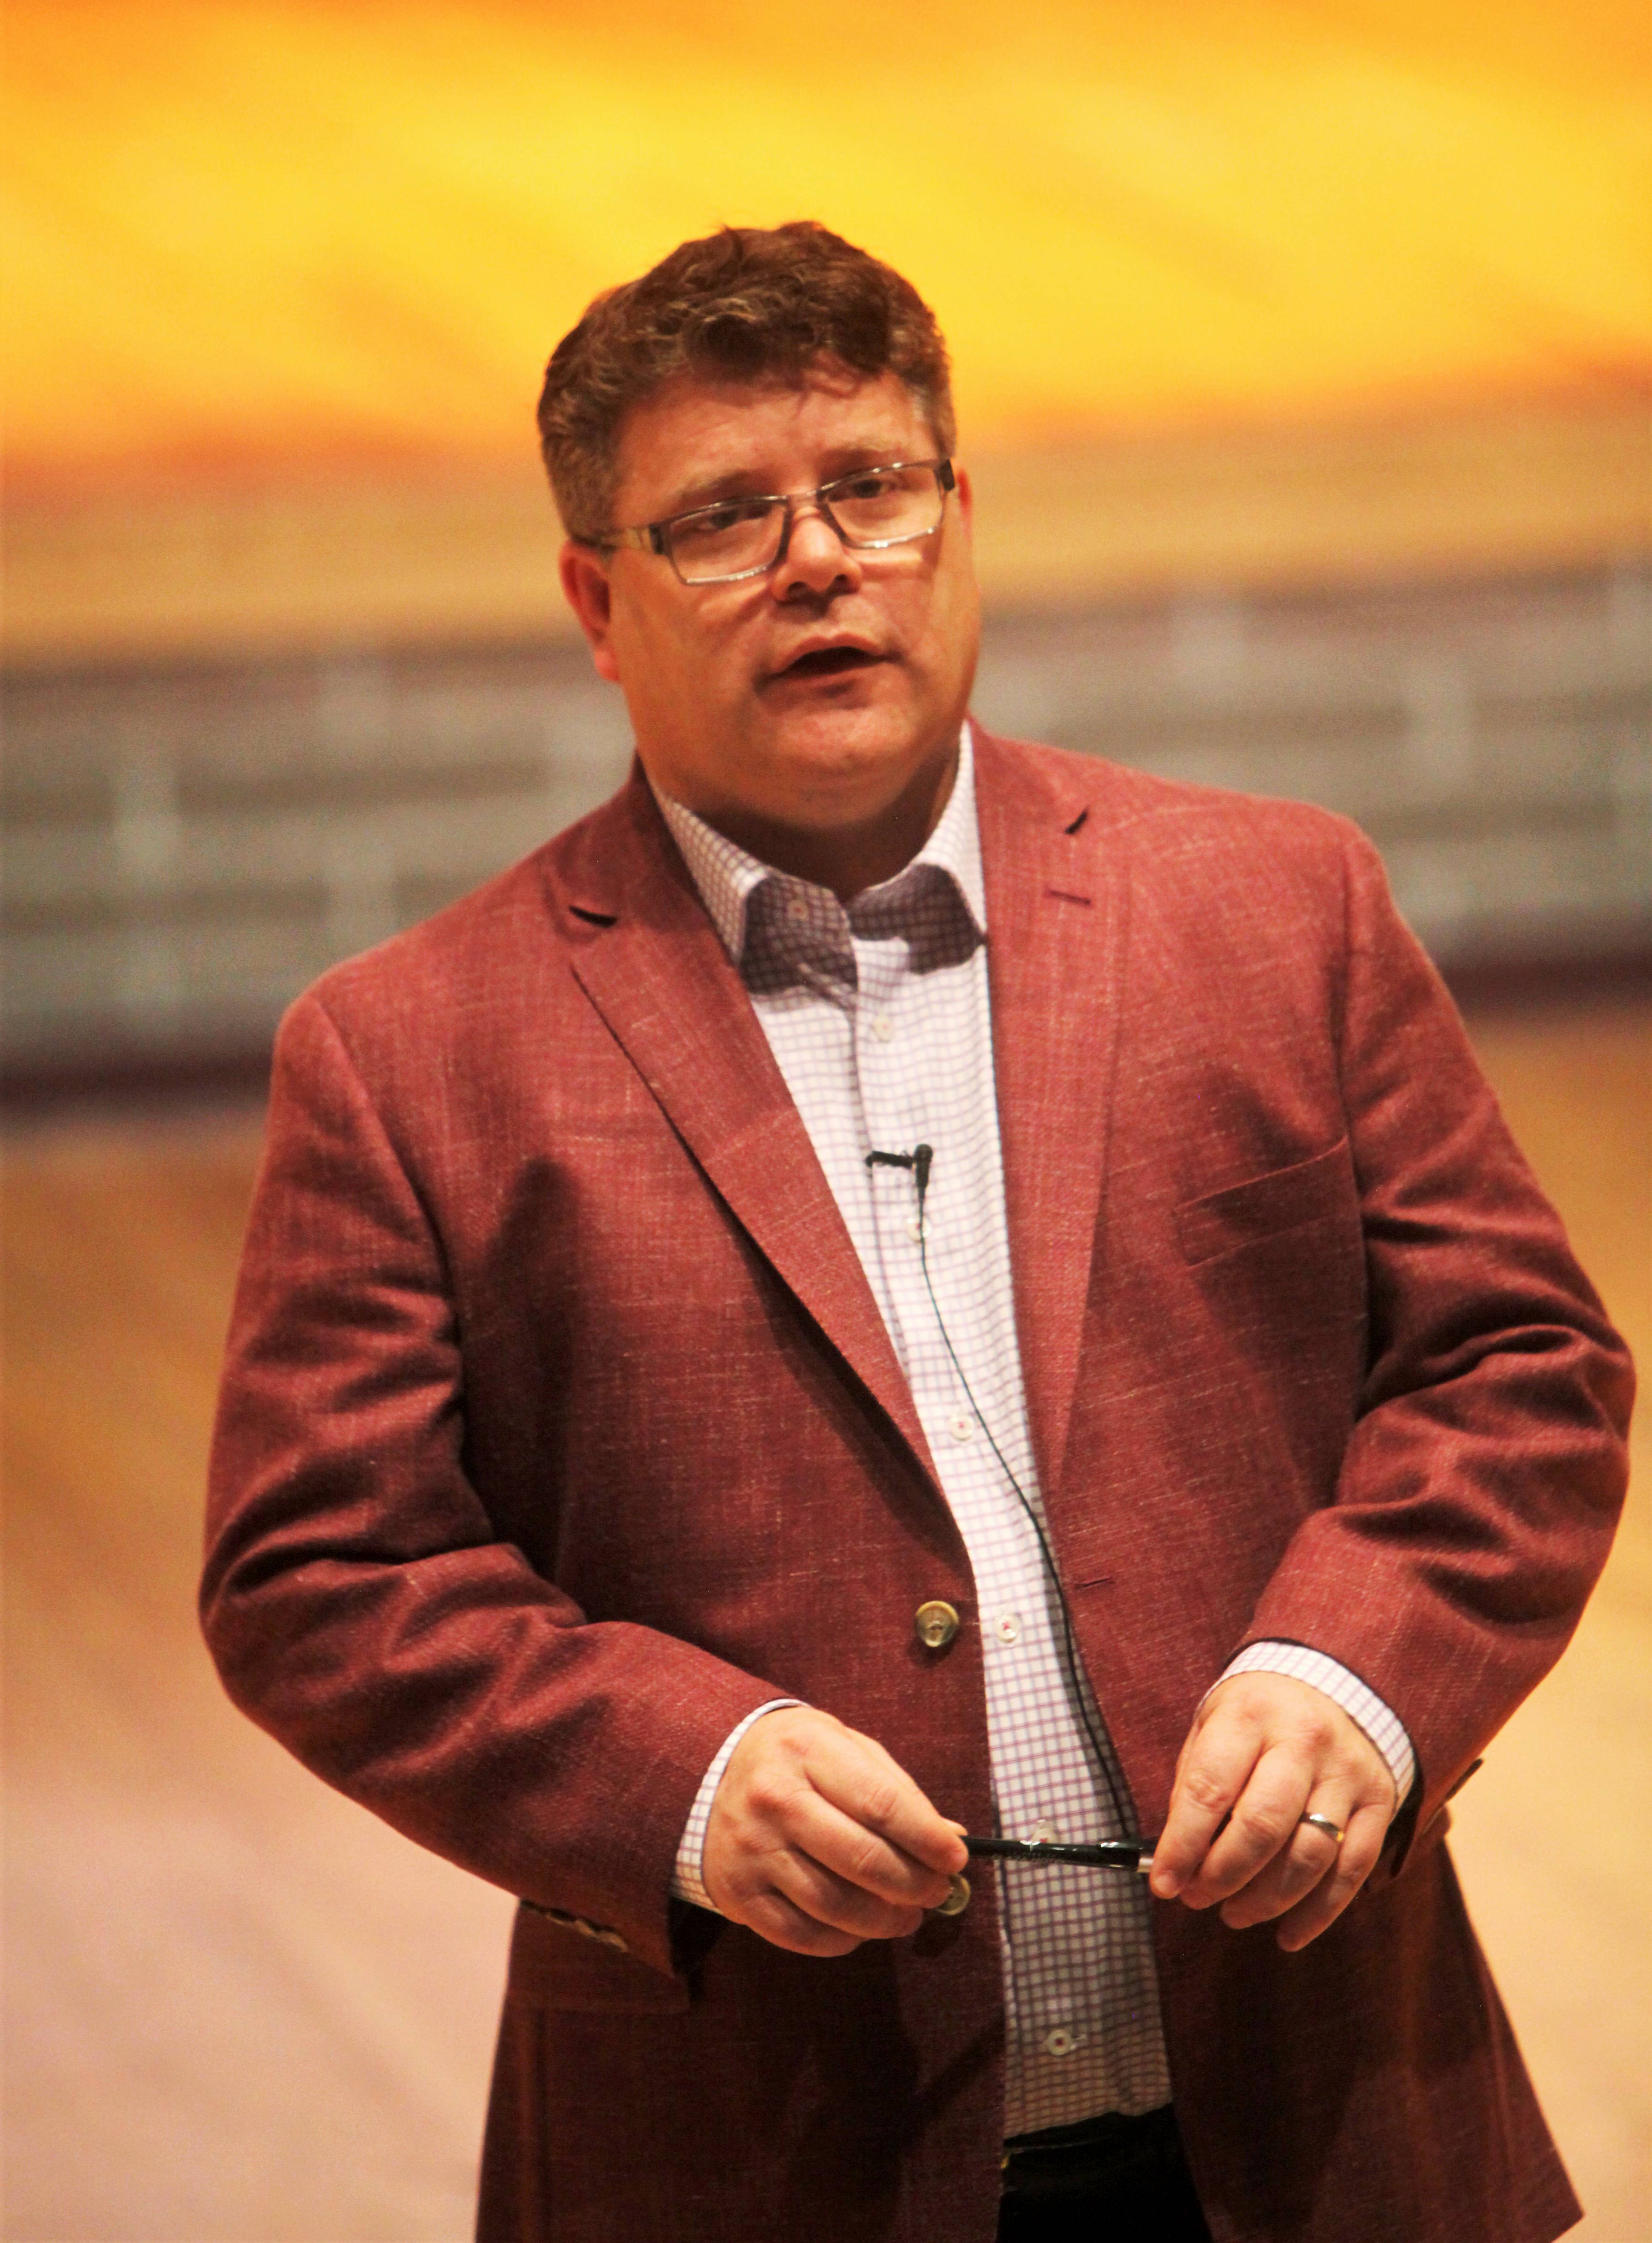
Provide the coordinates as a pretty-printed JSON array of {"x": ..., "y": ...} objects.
[{"x": 746, "y": 304}]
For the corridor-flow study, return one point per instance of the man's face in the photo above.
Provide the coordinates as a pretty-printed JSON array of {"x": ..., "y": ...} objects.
[{"x": 820, "y": 698}]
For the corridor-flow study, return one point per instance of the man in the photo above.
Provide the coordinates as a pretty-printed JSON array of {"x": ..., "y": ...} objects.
[{"x": 888, "y": 1284}]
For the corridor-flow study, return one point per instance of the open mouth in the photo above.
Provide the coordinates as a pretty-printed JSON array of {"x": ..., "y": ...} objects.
[{"x": 831, "y": 662}]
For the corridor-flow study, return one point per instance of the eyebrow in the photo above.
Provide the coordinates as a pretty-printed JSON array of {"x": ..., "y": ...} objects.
[{"x": 743, "y": 482}]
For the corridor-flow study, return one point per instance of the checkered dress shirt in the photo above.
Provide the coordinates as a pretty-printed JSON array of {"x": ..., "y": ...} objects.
[{"x": 878, "y": 1015}]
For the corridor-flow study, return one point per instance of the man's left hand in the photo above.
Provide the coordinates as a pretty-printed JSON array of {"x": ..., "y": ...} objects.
[{"x": 1264, "y": 1751}]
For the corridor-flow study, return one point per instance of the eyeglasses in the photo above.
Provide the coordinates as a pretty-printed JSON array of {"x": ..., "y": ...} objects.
[{"x": 870, "y": 509}]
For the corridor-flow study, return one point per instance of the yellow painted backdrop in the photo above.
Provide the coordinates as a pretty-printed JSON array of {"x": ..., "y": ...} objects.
[
  {"x": 251, "y": 242},
  {"x": 242, "y": 228}
]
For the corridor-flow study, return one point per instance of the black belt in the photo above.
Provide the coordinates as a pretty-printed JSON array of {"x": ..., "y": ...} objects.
[{"x": 1096, "y": 2154}]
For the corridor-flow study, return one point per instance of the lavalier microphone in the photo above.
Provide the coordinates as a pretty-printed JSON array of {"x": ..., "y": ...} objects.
[{"x": 918, "y": 1160}]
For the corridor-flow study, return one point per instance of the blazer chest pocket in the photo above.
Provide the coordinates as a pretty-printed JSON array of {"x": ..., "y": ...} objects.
[
  {"x": 1262, "y": 1207},
  {"x": 560, "y": 1962}
]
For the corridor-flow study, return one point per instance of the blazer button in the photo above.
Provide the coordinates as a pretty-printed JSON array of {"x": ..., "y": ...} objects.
[
  {"x": 957, "y": 1898},
  {"x": 936, "y": 1623}
]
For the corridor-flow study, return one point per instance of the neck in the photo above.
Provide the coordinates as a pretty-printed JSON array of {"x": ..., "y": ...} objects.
[{"x": 850, "y": 858}]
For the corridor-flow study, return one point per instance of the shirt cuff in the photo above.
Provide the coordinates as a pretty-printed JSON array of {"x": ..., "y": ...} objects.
[
  {"x": 686, "y": 1876},
  {"x": 1378, "y": 1721}
]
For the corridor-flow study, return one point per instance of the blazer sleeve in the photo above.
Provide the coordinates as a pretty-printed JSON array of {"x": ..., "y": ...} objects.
[
  {"x": 355, "y": 1596},
  {"x": 1486, "y": 1465}
]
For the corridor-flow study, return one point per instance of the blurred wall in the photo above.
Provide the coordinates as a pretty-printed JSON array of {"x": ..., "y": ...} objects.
[{"x": 1302, "y": 357}]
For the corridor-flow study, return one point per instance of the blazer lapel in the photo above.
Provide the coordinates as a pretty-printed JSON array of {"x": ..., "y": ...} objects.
[
  {"x": 1056, "y": 909},
  {"x": 663, "y": 982}
]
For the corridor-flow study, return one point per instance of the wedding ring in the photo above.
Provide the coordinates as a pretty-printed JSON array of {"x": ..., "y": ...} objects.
[{"x": 1334, "y": 1831}]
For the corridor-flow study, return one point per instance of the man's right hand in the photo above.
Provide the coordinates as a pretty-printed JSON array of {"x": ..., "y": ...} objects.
[{"x": 818, "y": 1839}]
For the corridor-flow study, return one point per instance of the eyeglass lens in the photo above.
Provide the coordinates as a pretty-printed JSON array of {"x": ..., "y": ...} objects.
[{"x": 877, "y": 506}]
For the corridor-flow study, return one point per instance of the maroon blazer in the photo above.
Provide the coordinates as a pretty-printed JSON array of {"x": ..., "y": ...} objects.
[{"x": 560, "y": 1430}]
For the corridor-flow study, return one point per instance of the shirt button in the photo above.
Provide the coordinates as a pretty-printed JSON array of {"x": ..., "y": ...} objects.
[
  {"x": 1061, "y": 2042},
  {"x": 962, "y": 1428},
  {"x": 797, "y": 908},
  {"x": 1007, "y": 1627},
  {"x": 883, "y": 1028},
  {"x": 1046, "y": 1834},
  {"x": 915, "y": 1228}
]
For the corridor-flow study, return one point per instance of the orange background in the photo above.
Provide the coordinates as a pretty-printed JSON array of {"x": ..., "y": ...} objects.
[{"x": 240, "y": 234}]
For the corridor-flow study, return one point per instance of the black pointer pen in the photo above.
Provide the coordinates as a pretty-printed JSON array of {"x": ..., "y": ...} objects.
[{"x": 1114, "y": 1854}]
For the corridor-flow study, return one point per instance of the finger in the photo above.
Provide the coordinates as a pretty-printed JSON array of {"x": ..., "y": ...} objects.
[
  {"x": 869, "y": 1785},
  {"x": 783, "y": 1924},
  {"x": 1356, "y": 1858},
  {"x": 776, "y": 1864},
  {"x": 1307, "y": 1857},
  {"x": 787, "y": 1803},
  {"x": 1215, "y": 1766},
  {"x": 847, "y": 1907},
  {"x": 1262, "y": 1824},
  {"x": 834, "y": 1842},
  {"x": 765, "y": 1868}
]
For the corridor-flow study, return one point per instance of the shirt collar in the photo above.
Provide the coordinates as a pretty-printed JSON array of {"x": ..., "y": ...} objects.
[{"x": 727, "y": 877}]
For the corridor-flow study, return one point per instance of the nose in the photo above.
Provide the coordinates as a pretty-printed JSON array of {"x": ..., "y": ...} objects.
[{"x": 815, "y": 560}]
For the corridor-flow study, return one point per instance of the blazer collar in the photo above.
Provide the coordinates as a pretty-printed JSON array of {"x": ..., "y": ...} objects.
[
  {"x": 1057, "y": 901},
  {"x": 663, "y": 982}
]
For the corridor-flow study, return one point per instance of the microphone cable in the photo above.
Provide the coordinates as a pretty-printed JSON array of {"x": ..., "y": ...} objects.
[{"x": 920, "y": 1161}]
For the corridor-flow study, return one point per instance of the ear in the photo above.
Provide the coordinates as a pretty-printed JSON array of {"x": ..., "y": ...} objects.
[
  {"x": 583, "y": 571},
  {"x": 965, "y": 495}
]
